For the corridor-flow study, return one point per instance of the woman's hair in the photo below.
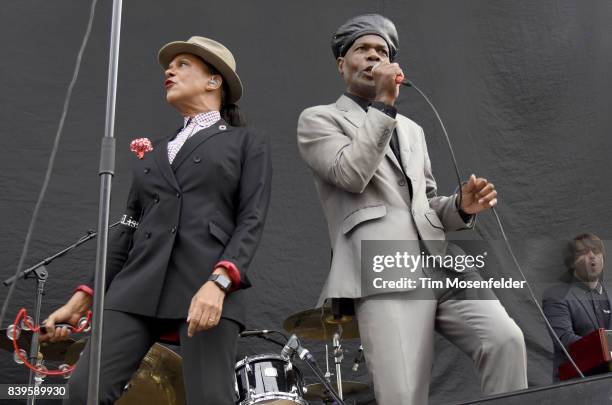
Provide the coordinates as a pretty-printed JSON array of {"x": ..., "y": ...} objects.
[
  {"x": 585, "y": 240},
  {"x": 230, "y": 112}
]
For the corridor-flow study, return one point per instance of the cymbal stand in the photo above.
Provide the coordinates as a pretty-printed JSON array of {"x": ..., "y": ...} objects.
[
  {"x": 338, "y": 357},
  {"x": 328, "y": 374}
]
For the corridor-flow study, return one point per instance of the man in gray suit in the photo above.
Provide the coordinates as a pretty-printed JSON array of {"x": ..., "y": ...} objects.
[
  {"x": 582, "y": 302},
  {"x": 373, "y": 176}
]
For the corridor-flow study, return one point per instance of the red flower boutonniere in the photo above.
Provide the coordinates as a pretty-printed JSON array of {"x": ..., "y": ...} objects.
[{"x": 140, "y": 146}]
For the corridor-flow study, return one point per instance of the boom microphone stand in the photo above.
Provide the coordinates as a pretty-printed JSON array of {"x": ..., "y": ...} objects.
[{"x": 39, "y": 272}]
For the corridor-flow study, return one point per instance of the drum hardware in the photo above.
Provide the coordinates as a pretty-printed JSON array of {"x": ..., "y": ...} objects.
[
  {"x": 338, "y": 357},
  {"x": 269, "y": 379},
  {"x": 318, "y": 392},
  {"x": 358, "y": 359},
  {"x": 293, "y": 347},
  {"x": 328, "y": 374},
  {"x": 323, "y": 324}
]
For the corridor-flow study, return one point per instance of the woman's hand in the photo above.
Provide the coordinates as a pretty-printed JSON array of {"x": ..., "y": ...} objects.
[
  {"x": 71, "y": 312},
  {"x": 206, "y": 306}
]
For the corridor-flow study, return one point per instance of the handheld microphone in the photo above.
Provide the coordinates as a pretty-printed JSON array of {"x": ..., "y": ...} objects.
[
  {"x": 358, "y": 359},
  {"x": 400, "y": 79},
  {"x": 254, "y": 332}
]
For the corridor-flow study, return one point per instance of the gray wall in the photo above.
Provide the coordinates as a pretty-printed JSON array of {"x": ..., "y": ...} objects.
[{"x": 524, "y": 88}]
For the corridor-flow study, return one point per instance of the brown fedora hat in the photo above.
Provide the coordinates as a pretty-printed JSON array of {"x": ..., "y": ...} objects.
[{"x": 212, "y": 53}]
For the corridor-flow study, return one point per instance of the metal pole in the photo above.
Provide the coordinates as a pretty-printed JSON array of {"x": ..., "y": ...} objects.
[
  {"x": 41, "y": 278},
  {"x": 107, "y": 168},
  {"x": 338, "y": 356}
]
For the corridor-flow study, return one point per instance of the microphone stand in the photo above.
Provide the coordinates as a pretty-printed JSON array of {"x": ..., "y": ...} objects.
[
  {"x": 39, "y": 271},
  {"x": 294, "y": 346},
  {"x": 107, "y": 169},
  {"x": 309, "y": 360},
  {"x": 25, "y": 273}
]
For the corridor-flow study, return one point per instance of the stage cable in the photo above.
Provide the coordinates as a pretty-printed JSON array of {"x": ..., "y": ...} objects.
[
  {"x": 51, "y": 162},
  {"x": 408, "y": 83}
]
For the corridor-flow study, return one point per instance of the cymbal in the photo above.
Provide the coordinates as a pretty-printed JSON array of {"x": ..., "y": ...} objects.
[
  {"x": 317, "y": 392},
  {"x": 158, "y": 380},
  {"x": 74, "y": 351},
  {"x": 55, "y": 351},
  {"x": 320, "y": 324}
]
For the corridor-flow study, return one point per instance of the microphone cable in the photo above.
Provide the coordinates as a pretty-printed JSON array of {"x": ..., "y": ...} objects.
[
  {"x": 408, "y": 83},
  {"x": 51, "y": 162}
]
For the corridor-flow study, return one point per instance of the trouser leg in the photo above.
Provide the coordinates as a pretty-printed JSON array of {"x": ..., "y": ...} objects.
[
  {"x": 485, "y": 332},
  {"x": 209, "y": 358},
  {"x": 126, "y": 338},
  {"x": 397, "y": 337}
]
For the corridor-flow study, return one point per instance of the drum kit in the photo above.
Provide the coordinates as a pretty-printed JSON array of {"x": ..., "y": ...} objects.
[{"x": 269, "y": 378}]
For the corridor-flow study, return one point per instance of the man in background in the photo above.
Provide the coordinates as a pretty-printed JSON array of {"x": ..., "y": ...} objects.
[{"x": 582, "y": 303}]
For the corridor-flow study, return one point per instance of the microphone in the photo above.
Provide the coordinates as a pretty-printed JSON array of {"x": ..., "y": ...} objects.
[
  {"x": 358, "y": 358},
  {"x": 293, "y": 344},
  {"x": 255, "y": 332},
  {"x": 400, "y": 79}
]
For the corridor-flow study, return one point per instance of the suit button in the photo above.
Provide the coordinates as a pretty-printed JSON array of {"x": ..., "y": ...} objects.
[
  {"x": 148, "y": 235},
  {"x": 173, "y": 230},
  {"x": 147, "y": 170},
  {"x": 156, "y": 198},
  {"x": 401, "y": 183},
  {"x": 178, "y": 195},
  {"x": 197, "y": 159}
]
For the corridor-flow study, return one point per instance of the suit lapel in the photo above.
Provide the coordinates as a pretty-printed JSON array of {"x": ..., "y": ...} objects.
[
  {"x": 585, "y": 305},
  {"x": 161, "y": 159},
  {"x": 354, "y": 114},
  {"x": 196, "y": 140}
]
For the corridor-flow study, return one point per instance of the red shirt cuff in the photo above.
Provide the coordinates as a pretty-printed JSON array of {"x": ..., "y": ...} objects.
[
  {"x": 232, "y": 272},
  {"x": 87, "y": 290}
]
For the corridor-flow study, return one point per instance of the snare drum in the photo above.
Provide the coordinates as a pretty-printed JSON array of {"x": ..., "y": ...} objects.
[{"x": 268, "y": 379}]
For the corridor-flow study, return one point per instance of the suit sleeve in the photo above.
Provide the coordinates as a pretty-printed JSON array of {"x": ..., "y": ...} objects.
[
  {"x": 120, "y": 240},
  {"x": 445, "y": 207},
  {"x": 557, "y": 311},
  {"x": 346, "y": 163},
  {"x": 252, "y": 208}
]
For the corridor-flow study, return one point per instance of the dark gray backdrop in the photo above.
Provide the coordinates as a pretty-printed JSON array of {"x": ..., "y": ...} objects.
[{"x": 524, "y": 88}]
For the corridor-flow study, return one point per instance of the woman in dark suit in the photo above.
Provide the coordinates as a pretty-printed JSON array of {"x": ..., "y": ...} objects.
[{"x": 194, "y": 217}]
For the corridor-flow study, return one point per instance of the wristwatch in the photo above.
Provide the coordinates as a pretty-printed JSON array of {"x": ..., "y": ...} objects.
[{"x": 223, "y": 282}]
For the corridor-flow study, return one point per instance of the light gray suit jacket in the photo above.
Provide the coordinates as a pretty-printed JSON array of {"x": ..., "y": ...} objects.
[{"x": 362, "y": 188}]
